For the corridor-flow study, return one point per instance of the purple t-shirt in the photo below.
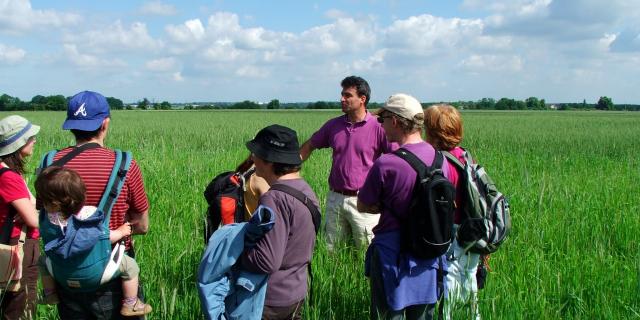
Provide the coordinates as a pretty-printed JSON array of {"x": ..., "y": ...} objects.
[
  {"x": 355, "y": 147},
  {"x": 285, "y": 251},
  {"x": 390, "y": 183}
]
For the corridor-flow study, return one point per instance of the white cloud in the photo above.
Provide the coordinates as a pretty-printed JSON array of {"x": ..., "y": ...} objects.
[
  {"x": 116, "y": 38},
  {"x": 177, "y": 76},
  {"x": 375, "y": 61},
  {"x": 427, "y": 34},
  {"x": 11, "y": 55},
  {"x": 252, "y": 72},
  {"x": 158, "y": 8},
  {"x": 190, "y": 31},
  {"x": 88, "y": 61},
  {"x": 17, "y": 17},
  {"x": 162, "y": 64},
  {"x": 491, "y": 63}
]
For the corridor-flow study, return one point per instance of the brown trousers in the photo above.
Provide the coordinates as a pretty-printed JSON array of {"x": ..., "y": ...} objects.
[
  {"x": 292, "y": 312},
  {"x": 22, "y": 304}
]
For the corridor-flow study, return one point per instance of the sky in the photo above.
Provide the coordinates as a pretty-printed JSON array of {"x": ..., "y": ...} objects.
[{"x": 299, "y": 51}]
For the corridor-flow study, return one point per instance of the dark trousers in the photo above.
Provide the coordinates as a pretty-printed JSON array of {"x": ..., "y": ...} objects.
[
  {"x": 292, "y": 312},
  {"x": 22, "y": 304},
  {"x": 102, "y": 304},
  {"x": 380, "y": 308}
]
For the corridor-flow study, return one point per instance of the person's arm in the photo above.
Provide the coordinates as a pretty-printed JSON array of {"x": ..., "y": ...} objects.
[
  {"x": 138, "y": 201},
  {"x": 26, "y": 210},
  {"x": 117, "y": 234},
  {"x": 266, "y": 256},
  {"x": 139, "y": 222},
  {"x": 306, "y": 150},
  {"x": 368, "y": 208}
]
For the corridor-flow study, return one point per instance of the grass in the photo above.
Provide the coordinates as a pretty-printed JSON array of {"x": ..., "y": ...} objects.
[{"x": 572, "y": 179}]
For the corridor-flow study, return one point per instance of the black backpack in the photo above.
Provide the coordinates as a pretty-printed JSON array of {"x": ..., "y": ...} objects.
[
  {"x": 225, "y": 197},
  {"x": 428, "y": 230}
]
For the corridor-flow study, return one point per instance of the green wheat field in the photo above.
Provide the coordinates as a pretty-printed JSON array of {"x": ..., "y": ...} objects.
[{"x": 573, "y": 179}]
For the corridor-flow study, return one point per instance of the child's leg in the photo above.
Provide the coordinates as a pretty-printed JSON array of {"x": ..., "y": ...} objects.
[
  {"x": 129, "y": 272},
  {"x": 48, "y": 283},
  {"x": 131, "y": 305}
]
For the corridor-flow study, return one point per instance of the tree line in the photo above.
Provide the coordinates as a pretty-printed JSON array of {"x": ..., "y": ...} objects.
[{"x": 59, "y": 103}]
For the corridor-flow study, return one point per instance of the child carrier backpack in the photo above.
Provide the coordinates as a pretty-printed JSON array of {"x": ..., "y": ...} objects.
[
  {"x": 486, "y": 215},
  {"x": 82, "y": 259},
  {"x": 428, "y": 230},
  {"x": 225, "y": 199}
]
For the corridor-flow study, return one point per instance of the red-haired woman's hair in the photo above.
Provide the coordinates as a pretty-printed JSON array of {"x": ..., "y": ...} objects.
[{"x": 443, "y": 126}]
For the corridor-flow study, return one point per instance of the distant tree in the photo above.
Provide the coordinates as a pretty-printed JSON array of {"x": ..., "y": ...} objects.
[
  {"x": 486, "y": 103},
  {"x": 542, "y": 104},
  {"x": 9, "y": 103},
  {"x": 164, "y": 105},
  {"x": 273, "y": 104},
  {"x": 245, "y": 105},
  {"x": 505, "y": 104},
  {"x": 604, "y": 103},
  {"x": 532, "y": 103},
  {"x": 115, "y": 104},
  {"x": 144, "y": 104},
  {"x": 38, "y": 102}
]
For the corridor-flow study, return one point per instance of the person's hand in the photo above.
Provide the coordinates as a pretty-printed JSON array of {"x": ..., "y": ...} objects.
[{"x": 125, "y": 229}]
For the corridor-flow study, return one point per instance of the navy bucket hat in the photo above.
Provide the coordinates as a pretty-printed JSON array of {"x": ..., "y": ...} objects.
[
  {"x": 276, "y": 143},
  {"x": 86, "y": 111}
]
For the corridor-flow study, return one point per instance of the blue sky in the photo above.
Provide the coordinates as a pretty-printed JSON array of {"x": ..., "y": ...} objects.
[{"x": 562, "y": 51}]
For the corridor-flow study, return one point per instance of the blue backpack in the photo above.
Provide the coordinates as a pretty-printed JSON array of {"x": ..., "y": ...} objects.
[{"x": 81, "y": 258}]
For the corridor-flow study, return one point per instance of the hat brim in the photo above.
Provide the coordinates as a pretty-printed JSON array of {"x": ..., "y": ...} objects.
[
  {"x": 21, "y": 142},
  {"x": 84, "y": 125},
  {"x": 273, "y": 155}
]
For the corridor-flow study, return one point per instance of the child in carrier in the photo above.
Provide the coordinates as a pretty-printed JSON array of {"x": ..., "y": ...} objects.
[{"x": 62, "y": 193}]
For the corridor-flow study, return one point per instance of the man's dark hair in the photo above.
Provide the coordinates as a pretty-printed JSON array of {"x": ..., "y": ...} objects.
[
  {"x": 362, "y": 87},
  {"x": 81, "y": 135},
  {"x": 280, "y": 169}
]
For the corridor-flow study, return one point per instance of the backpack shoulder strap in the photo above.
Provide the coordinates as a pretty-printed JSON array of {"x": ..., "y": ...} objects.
[
  {"x": 315, "y": 214},
  {"x": 73, "y": 153},
  {"x": 114, "y": 185},
  {"x": 5, "y": 237},
  {"x": 453, "y": 159},
  {"x": 420, "y": 167}
]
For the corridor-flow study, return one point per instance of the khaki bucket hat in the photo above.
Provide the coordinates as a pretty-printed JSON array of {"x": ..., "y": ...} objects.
[{"x": 15, "y": 132}]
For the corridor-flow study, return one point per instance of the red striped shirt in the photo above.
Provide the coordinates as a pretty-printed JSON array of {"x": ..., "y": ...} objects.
[{"x": 94, "y": 166}]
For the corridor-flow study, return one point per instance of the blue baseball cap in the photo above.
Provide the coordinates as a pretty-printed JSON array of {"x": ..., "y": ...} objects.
[{"x": 86, "y": 111}]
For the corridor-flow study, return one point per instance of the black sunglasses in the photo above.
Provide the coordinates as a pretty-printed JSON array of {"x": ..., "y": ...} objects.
[{"x": 381, "y": 118}]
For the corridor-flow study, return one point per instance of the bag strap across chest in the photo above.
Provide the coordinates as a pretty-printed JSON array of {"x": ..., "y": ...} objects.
[{"x": 315, "y": 213}]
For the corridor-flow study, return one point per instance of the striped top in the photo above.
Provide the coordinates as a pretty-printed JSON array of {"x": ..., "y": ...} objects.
[{"x": 94, "y": 166}]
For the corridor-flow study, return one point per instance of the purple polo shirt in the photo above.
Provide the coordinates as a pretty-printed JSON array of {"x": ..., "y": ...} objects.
[
  {"x": 390, "y": 183},
  {"x": 355, "y": 147}
]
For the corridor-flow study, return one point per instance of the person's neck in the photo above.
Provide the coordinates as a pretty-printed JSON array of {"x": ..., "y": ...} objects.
[
  {"x": 357, "y": 115},
  {"x": 410, "y": 138},
  {"x": 272, "y": 178},
  {"x": 97, "y": 140}
]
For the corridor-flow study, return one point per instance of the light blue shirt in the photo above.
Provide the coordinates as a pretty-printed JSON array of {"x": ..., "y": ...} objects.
[{"x": 226, "y": 291}]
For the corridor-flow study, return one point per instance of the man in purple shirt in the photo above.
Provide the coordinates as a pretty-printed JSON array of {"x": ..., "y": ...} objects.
[
  {"x": 401, "y": 285},
  {"x": 285, "y": 252},
  {"x": 357, "y": 140}
]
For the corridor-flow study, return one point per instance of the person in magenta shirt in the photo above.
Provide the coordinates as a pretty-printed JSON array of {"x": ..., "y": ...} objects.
[
  {"x": 444, "y": 130},
  {"x": 402, "y": 286},
  {"x": 17, "y": 207},
  {"x": 357, "y": 140}
]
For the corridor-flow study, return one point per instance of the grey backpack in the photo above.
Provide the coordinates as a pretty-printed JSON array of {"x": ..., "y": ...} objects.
[{"x": 486, "y": 214}]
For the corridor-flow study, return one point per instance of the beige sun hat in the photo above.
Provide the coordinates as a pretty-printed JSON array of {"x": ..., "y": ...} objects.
[
  {"x": 15, "y": 132},
  {"x": 403, "y": 105}
]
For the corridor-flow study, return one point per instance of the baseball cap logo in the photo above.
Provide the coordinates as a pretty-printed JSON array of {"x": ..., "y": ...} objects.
[{"x": 81, "y": 111}]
